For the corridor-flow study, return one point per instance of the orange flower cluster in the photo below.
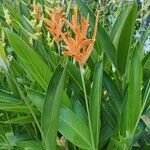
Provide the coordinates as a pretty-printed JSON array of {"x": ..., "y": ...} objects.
[
  {"x": 78, "y": 46},
  {"x": 55, "y": 24},
  {"x": 37, "y": 11}
]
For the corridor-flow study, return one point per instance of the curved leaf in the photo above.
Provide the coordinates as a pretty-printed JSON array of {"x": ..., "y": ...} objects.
[
  {"x": 52, "y": 103},
  {"x": 125, "y": 39},
  {"x": 95, "y": 102},
  {"x": 132, "y": 102},
  {"x": 74, "y": 129},
  {"x": 31, "y": 61}
]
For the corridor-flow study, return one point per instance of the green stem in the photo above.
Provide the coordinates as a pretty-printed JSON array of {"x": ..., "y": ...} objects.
[
  {"x": 37, "y": 123},
  {"x": 87, "y": 107}
]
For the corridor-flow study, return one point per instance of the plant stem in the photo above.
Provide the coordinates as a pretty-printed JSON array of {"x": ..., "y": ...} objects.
[
  {"x": 87, "y": 108},
  {"x": 37, "y": 123}
]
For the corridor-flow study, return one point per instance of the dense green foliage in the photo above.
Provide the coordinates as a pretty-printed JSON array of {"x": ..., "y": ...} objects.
[{"x": 44, "y": 95}]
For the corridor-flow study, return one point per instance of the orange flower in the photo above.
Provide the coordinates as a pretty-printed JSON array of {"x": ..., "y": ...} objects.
[
  {"x": 77, "y": 28},
  {"x": 79, "y": 47},
  {"x": 37, "y": 11},
  {"x": 55, "y": 24}
]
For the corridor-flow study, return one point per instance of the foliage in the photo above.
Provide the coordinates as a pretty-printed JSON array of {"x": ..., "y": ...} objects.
[{"x": 49, "y": 101}]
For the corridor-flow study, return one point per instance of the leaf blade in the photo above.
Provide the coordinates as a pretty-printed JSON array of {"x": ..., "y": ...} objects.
[
  {"x": 31, "y": 61},
  {"x": 74, "y": 129},
  {"x": 52, "y": 103},
  {"x": 95, "y": 102}
]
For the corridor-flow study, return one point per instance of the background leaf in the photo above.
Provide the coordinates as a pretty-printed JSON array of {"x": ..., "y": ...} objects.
[
  {"x": 126, "y": 38},
  {"x": 31, "y": 61}
]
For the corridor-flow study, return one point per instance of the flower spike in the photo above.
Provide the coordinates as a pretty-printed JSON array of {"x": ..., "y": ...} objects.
[
  {"x": 79, "y": 47},
  {"x": 55, "y": 24}
]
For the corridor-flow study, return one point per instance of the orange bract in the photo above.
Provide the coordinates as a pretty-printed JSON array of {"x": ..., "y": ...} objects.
[
  {"x": 55, "y": 24},
  {"x": 37, "y": 11},
  {"x": 79, "y": 47}
]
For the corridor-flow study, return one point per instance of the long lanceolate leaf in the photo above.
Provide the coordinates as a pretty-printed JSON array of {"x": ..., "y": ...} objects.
[
  {"x": 122, "y": 34},
  {"x": 50, "y": 112},
  {"x": 134, "y": 91},
  {"x": 95, "y": 102},
  {"x": 118, "y": 25},
  {"x": 102, "y": 39},
  {"x": 31, "y": 61},
  {"x": 125, "y": 39},
  {"x": 132, "y": 104}
]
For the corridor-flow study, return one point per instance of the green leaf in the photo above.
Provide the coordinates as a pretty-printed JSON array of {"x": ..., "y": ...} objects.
[
  {"x": 16, "y": 108},
  {"x": 108, "y": 114},
  {"x": 20, "y": 120},
  {"x": 146, "y": 120},
  {"x": 146, "y": 96},
  {"x": 30, "y": 145},
  {"x": 52, "y": 103},
  {"x": 79, "y": 110},
  {"x": 145, "y": 37},
  {"x": 9, "y": 98},
  {"x": 38, "y": 102},
  {"x": 125, "y": 39},
  {"x": 146, "y": 63},
  {"x": 119, "y": 24},
  {"x": 74, "y": 129},
  {"x": 132, "y": 102},
  {"x": 106, "y": 133},
  {"x": 113, "y": 91},
  {"x": 12, "y": 83},
  {"x": 95, "y": 102},
  {"x": 146, "y": 60},
  {"x": 31, "y": 61},
  {"x": 146, "y": 66},
  {"x": 74, "y": 72},
  {"x": 38, "y": 98},
  {"x": 14, "y": 14},
  {"x": 3, "y": 59},
  {"x": 117, "y": 144},
  {"x": 134, "y": 91},
  {"x": 102, "y": 39}
]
